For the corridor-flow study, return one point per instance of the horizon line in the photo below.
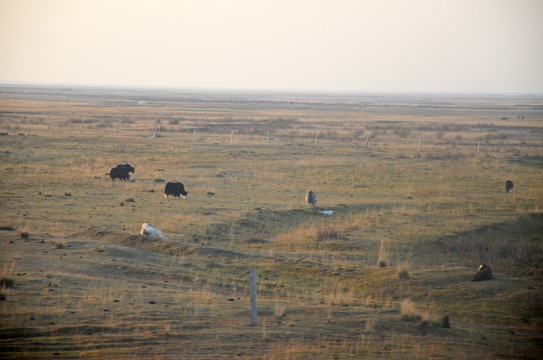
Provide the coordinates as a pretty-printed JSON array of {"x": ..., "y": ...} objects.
[{"x": 275, "y": 90}]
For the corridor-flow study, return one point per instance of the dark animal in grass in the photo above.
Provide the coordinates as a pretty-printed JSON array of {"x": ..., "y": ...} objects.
[
  {"x": 311, "y": 198},
  {"x": 508, "y": 185},
  {"x": 483, "y": 273},
  {"x": 128, "y": 167},
  {"x": 176, "y": 189},
  {"x": 121, "y": 172}
]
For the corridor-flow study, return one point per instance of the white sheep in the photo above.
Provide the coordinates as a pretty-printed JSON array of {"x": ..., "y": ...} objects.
[{"x": 147, "y": 229}]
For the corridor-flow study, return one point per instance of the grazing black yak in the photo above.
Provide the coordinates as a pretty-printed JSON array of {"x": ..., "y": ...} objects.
[
  {"x": 121, "y": 172},
  {"x": 483, "y": 273},
  {"x": 311, "y": 198},
  {"x": 176, "y": 189},
  {"x": 508, "y": 185}
]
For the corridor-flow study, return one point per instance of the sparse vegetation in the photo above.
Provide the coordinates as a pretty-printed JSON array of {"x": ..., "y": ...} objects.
[{"x": 406, "y": 224}]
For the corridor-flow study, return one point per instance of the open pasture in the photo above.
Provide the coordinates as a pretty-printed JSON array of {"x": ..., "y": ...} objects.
[{"x": 416, "y": 183}]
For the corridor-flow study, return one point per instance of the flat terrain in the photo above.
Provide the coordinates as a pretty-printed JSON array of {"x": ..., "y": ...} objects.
[{"x": 416, "y": 183}]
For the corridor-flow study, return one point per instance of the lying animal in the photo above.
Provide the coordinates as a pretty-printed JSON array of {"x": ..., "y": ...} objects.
[
  {"x": 121, "y": 172},
  {"x": 483, "y": 273},
  {"x": 176, "y": 189},
  {"x": 148, "y": 230}
]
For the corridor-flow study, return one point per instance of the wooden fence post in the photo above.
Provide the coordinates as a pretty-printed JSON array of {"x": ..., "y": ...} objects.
[
  {"x": 420, "y": 144},
  {"x": 254, "y": 311},
  {"x": 116, "y": 130},
  {"x": 367, "y": 141},
  {"x": 268, "y": 137},
  {"x": 195, "y": 133},
  {"x": 232, "y": 136},
  {"x": 478, "y": 146},
  {"x": 316, "y": 139}
]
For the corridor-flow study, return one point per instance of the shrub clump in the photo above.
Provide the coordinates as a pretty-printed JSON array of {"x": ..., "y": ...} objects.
[
  {"x": 408, "y": 311},
  {"x": 326, "y": 232},
  {"x": 24, "y": 235},
  {"x": 6, "y": 283},
  {"x": 403, "y": 274}
]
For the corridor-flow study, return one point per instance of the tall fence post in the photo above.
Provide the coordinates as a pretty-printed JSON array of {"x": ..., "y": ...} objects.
[
  {"x": 254, "y": 311},
  {"x": 195, "y": 133},
  {"x": 316, "y": 139},
  {"x": 420, "y": 144},
  {"x": 116, "y": 130},
  {"x": 232, "y": 136},
  {"x": 478, "y": 146},
  {"x": 268, "y": 137},
  {"x": 367, "y": 141}
]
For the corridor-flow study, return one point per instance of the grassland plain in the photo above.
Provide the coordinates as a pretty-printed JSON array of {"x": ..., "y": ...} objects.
[{"x": 416, "y": 183}]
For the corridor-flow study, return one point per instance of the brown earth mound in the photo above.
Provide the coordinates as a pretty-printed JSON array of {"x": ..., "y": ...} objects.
[{"x": 154, "y": 244}]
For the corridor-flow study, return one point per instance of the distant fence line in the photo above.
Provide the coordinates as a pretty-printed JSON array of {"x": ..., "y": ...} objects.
[
  {"x": 489, "y": 130},
  {"x": 267, "y": 138}
]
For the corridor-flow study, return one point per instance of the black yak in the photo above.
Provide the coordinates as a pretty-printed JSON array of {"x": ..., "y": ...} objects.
[
  {"x": 121, "y": 172},
  {"x": 508, "y": 185},
  {"x": 483, "y": 273},
  {"x": 310, "y": 198},
  {"x": 176, "y": 189}
]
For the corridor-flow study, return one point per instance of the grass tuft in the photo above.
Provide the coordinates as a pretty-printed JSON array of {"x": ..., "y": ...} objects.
[
  {"x": 408, "y": 311},
  {"x": 326, "y": 232}
]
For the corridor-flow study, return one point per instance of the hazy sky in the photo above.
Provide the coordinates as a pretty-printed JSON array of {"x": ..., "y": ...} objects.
[{"x": 377, "y": 45}]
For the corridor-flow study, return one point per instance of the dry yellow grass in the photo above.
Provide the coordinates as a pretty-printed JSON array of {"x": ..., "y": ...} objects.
[{"x": 86, "y": 285}]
